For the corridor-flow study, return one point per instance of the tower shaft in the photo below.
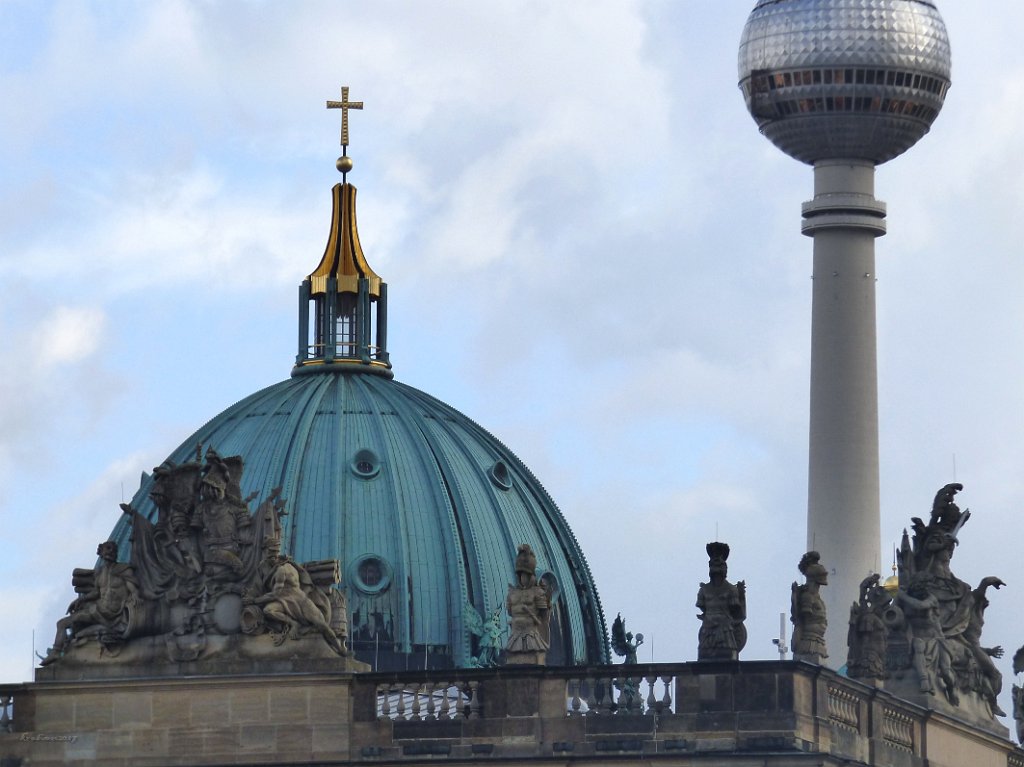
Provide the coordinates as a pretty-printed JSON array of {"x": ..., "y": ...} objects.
[{"x": 843, "y": 521}]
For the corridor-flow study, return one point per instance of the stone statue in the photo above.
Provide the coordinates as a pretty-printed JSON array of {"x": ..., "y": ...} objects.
[
  {"x": 868, "y": 631},
  {"x": 625, "y": 645},
  {"x": 1018, "y": 712},
  {"x": 807, "y": 610},
  {"x": 991, "y": 681},
  {"x": 221, "y": 518},
  {"x": 623, "y": 642},
  {"x": 723, "y": 608},
  {"x": 944, "y": 618},
  {"x": 288, "y": 607},
  {"x": 930, "y": 651},
  {"x": 488, "y": 636},
  {"x": 100, "y": 610},
  {"x": 529, "y": 609},
  {"x": 207, "y": 582},
  {"x": 1018, "y": 695}
]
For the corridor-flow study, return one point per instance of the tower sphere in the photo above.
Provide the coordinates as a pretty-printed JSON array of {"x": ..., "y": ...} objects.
[{"x": 844, "y": 79}]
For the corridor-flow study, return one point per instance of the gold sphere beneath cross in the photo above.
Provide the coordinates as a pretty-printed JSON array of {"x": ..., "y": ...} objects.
[{"x": 344, "y": 164}]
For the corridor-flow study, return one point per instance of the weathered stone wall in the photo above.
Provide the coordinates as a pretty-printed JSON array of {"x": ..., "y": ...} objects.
[{"x": 748, "y": 713}]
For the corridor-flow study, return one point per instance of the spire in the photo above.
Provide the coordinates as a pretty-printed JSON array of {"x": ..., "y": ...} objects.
[{"x": 339, "y": 330}]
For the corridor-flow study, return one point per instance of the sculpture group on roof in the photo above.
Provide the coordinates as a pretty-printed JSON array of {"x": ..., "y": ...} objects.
[
  {"x": 923, "y": 635},
  {"x": 920, "y": 632},
  {"x": 206, "y": 577}
]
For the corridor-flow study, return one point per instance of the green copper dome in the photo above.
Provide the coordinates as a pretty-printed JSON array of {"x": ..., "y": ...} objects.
[{"x": 423, "y": 508}]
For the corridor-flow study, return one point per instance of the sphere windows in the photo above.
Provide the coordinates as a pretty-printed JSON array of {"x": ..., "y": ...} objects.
[
  {"x": 365, "y": 464},
  {"x": 762, "y": 81},
  {"x": 370, "y": 574}
]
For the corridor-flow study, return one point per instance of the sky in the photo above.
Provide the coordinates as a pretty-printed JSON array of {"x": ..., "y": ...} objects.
[{"x": 589, "y": 250}]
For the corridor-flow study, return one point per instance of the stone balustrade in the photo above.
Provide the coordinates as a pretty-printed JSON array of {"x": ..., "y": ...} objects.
[
  {"x": 616, "y": 691},
  {"x": 736, "y": 713},
  {"x": 428, "y": 701}
]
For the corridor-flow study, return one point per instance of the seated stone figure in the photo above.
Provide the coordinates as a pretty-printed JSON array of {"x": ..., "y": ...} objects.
[
  {"x": 288, "y": 606},
  {"x": 101, "y": 610}
]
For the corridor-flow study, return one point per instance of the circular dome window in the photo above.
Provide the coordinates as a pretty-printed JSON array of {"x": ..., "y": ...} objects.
[
  {"x": 500, "y": 475},
  {"x": 370, "y": 574},
  {"x": 365, "y": 464}
]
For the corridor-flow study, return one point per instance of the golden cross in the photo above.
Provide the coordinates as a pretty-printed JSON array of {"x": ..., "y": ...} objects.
[{"x": 344, "y": 105}]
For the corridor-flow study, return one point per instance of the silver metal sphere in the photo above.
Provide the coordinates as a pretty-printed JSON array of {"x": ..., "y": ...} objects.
[{"x": 844, "y": 79}]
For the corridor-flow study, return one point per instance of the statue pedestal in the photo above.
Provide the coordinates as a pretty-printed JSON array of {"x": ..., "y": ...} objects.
[
  {"x": 808, "y": 657},
  {"x": 971, "y": 709},
  {"x": 213, "y": 654},
  {"x": 520, "y": 658}
]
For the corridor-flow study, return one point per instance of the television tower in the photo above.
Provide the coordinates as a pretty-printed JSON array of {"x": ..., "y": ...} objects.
[{"x": 844, "y": 85}]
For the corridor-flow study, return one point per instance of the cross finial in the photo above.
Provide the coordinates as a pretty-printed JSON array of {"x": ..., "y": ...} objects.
[{"x": 344, "y": 105}]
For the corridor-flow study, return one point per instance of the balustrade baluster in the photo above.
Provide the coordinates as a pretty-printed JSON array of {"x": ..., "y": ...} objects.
[
  {"x": 652, "y": 702},
  {"x": 5, "y": 717},
  {"x": 446, "y": 703},
  {"x": 474, "y": 701},
  {"x": 416, "y": 697},
  {"x": 607, "y": 693},
  {"x": 384, "y": 698},
  {"x": 431, "y": 703},
  {"x": 401, "y": 704},
  {"x": 666, "y": 700},
  {"x": 592, "y": 702},
  {"x": 573, "y": 693},
  {"x": 611, "y": 699}
]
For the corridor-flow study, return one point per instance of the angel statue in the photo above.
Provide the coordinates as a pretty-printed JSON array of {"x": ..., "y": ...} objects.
[
  {"x": 488, "y": 634},
  {"x": 623, "y": 642}
]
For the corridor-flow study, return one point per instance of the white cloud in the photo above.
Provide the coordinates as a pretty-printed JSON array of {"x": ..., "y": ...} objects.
[
  {"x": 70, "y": 334},
  {"x": 50, "y": 379}
]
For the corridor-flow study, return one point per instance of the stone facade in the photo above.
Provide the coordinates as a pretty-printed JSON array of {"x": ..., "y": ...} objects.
[{"x": 721, "y": 713}]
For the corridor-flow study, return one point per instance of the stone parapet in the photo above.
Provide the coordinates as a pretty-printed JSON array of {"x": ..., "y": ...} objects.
[{"x": 724, "y": 713}]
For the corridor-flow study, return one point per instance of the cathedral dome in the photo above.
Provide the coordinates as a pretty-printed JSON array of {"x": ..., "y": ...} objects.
[{"x": 422, "y": 507}]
